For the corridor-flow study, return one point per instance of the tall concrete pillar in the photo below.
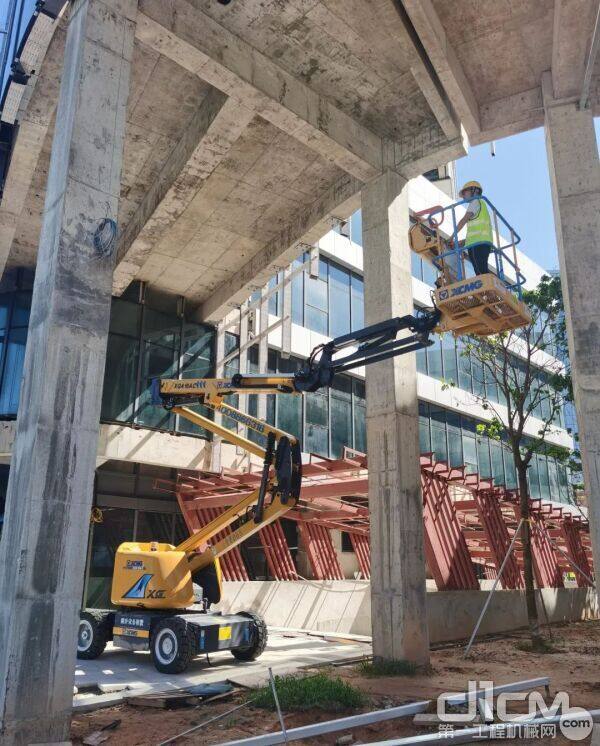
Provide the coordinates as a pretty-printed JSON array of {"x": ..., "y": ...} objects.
[
  {"x": 575, "y": 180},
  {"x": 42, "y": 554},
  {"x": 398, "y": 594}
]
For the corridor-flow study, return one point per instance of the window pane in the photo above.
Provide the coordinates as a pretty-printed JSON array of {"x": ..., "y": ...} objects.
[
  {"x": 116, "y": 527},
  {"x": 533, "y": 476},
  {"x": 357, "y": 298},
  {"x": 317, "y": 419},
  {"x": 497, "y": 463},
  {"x": 298, "y": 296},
  {"x": 339, "y": 300},
  {"x": 434, "y": 357},
  {"x": 449, "y": 356},
  {"x": 553, "y": 476},
  {"x": 13, "y": 370},
  {"x": 197, "y": 361},
  {"x": 157, "y": 362},
  {"x": 316, "y": 292},
  {"x": 360, "y": 430},
  {"x": 154, "y": 526},
  {"x": 465, "y": 380},
  {"x": 289, "y": 415},
  {"x": 316, "y": 320},
  {"x": 544, "y": 480},
  {"x": 470, "y": 452},
  {"x": 125, "y": 318},
  {"x": 509, "y": 469},
  {"x": 21, "y": 309},
  {"x": 341, "y": 416},
  {"x": 438, "y": 442},
  {"x": 162, "y": 328},
  {"x": 5, "y": 300},
  {"x": 356, "y": 227},
  {"x": 120, "y": 377},
  {"x": 483, "y": 457},
  {"x": 416, "y": 265}
]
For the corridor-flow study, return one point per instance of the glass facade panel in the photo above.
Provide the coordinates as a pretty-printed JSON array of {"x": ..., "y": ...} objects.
[
  {"x": 341, "y": 416},
  {"x": 339, "y": 301},
  {"x": 359, "y": 414}
]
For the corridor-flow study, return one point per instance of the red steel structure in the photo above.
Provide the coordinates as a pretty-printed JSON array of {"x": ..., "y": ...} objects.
[{"x": 469, "y": 523}]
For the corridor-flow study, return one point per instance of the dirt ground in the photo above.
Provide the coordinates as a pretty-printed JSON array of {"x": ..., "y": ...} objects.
[{"x": 574, "y": 667}]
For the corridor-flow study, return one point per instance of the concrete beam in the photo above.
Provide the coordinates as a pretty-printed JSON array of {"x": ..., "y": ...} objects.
[
  {"x": 215, "y": 127},
  {"x": 445, "y": 62},
  {"x": 393, "y": 16},
  {"x": 183, "y": 33},
  {"x": 398, "y": 590},
  {"x": 508, "y": 116},
  {"x": 342, "y": 198},
  {"x": 571, "y": 33},
  {"x": 50, "y": 487},
  {"x": 574, "y": 169}
]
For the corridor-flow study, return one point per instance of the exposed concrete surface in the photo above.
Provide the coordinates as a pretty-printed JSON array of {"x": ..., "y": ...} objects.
[
  {"x": 49, "y": 493},
  {"x": 284, "y": 654},
  {"x": 396, "y": 508},
  {"x": 340, "y": 606},
  {"x": 575, "y": 182}
]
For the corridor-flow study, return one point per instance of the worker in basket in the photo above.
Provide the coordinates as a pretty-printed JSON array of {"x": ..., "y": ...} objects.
[{"x": 479, "y": 241}]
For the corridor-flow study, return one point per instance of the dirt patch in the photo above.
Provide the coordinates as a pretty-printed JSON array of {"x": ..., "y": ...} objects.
[{"x": 574, "y": 668}]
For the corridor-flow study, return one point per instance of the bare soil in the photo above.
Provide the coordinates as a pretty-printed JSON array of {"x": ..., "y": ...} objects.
[{"x": 573, "y": 666}]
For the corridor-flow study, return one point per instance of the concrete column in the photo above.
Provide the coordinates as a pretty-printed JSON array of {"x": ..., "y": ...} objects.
[
  {"x": 43, "y": 549},
  {"x": 398, "y": 602},
  {"x": 575, "y": 181}
]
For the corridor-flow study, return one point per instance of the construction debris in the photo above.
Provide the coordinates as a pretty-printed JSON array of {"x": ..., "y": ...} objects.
[{"x": 185, "y": 696}]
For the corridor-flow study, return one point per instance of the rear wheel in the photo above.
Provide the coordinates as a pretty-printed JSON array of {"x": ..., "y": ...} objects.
[
  {"x": 93, "y": 633},
  {"x": 258, "y": 639},
  {"x": 171, "y": 645}
]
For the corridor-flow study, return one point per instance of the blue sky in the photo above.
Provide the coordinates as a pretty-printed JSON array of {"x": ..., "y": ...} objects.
[{"x": 516, "y": 181}]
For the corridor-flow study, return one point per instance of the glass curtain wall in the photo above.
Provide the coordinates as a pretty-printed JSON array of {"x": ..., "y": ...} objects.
[
  {"x": 331, "y": 303},
  {"x": 149, "y": 339},
  {"x": 453, "y": 438}
]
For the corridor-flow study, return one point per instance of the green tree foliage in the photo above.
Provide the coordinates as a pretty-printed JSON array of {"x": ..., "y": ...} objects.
[{"x": 530, "y": 368}]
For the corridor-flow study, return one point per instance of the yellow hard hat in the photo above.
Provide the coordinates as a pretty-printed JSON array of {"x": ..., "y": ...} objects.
[{"x": 471, "y": 184}]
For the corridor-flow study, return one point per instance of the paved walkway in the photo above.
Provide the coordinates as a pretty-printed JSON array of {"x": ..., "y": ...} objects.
[{"x": 285, "y": 653}]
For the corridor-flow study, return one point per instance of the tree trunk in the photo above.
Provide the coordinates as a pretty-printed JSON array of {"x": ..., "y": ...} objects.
[{"x": 532, "y": 614}]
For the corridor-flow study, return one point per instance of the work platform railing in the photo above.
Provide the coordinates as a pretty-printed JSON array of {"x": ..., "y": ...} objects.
[
  {"x": 482, "y": 304},
  {"x": 503, "y": 250}
]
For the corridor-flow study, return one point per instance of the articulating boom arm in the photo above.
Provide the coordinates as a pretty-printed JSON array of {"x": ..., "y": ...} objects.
[
  {"x": 373, "y": 343},
  {"x": 282, "y": 464}
]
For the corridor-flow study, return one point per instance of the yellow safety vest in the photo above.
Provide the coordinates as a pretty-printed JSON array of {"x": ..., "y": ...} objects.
[{"x": 479, "y": 229}]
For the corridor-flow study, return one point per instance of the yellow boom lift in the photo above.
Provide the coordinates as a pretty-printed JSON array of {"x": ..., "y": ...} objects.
[{"x": 162, "y": 593}]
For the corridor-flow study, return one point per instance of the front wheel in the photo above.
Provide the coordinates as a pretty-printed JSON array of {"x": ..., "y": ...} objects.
[
  {"x": 258, "y": 638},
  {"x": 171, "y": 645},
  {"x": 93, "y": 633}
]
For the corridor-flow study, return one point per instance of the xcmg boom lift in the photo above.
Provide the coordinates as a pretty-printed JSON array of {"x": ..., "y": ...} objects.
[{"x": 163, "y": 593}]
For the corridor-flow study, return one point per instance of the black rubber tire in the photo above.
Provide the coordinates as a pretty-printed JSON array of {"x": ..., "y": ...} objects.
[
  {"x": 260, "y": 637},
  {"x": 96, "y": 623},
  {"x": 177, "y": 659}
]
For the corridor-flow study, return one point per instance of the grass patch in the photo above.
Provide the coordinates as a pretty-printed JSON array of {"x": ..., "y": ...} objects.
[
  {"x": 541, "y": 646},
  {"x": 375, "y": 669},
  {"x": 320, "y": 691}
]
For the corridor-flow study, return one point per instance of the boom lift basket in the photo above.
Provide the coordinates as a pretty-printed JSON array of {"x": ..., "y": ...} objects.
[{"x": 482, "y": 304}]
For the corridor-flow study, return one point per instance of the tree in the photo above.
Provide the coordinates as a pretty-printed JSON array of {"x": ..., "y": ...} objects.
[{"x": 528, "y": 372}]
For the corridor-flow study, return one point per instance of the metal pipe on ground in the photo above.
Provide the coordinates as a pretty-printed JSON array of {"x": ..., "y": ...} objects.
[
  {"x": 478, "y": 733},
  {"x": 379, "y": 716}
]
